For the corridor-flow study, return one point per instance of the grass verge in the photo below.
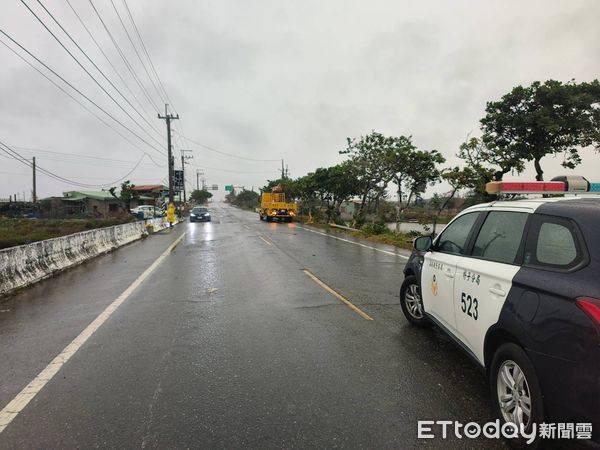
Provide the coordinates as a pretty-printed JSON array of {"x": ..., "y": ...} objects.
[
  {"x": 25, "y": 231},
  {"x": 400, "y": 240}
]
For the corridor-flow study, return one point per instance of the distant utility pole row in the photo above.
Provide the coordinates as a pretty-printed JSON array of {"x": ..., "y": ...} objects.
[
  {"x": 184, "y": 156},
  {"x": 284, "y": 171},
  {"x": 198, "y": 173}
]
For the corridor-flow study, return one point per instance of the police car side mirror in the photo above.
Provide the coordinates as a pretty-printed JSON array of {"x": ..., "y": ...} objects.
[{"x": 422, "y": 243}]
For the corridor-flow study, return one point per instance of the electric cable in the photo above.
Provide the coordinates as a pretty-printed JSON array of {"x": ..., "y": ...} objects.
[
  {"x": 79, "y": 92},
  {"x": 88, "y": 73}
]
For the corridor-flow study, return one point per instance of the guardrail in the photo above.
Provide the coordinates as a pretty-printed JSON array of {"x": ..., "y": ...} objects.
[
  {"x": 27, "y": 264},
  {"x": 343, "y": 227}
]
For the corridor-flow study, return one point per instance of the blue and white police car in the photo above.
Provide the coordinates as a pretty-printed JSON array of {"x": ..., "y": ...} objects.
[{"x": 517, "y": 285}]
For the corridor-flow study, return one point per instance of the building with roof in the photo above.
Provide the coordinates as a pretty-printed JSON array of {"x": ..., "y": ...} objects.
[
  {"x": 150, "y": 194},
  {"x": 82, "y": 203}
]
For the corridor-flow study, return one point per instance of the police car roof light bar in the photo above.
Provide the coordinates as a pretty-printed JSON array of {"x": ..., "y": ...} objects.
[
  {"x": 534, "y": 187},
  {"x": 568, "y": 184}
]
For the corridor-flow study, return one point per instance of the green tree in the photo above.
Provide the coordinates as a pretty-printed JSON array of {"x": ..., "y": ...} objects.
[
  {"x": 307, "y": 194},
  {"x": 478, "y": 171},
  {"x": 288, "y": 185},
  {"x": 369, "y": 156},
  {"x": 411, "y": 170},
  {"x": 126, "y": 195},
  {"x": 200, "y": 196},
  {"x": 543, "y": 119},
  {"x": 334, "y": 185},
  {"x": 247, "y": 199},
  {"x": 230, "y": 197}
]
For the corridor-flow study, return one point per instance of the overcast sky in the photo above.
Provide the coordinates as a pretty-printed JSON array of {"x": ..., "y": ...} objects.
[{"x": 276, "y": 79}]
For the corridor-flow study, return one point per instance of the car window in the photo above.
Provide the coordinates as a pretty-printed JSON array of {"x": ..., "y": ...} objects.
[
  {"x": 454, "y": 237},
  {"x": 500, "y": 237},
  {"x": 555, "y": 245}
]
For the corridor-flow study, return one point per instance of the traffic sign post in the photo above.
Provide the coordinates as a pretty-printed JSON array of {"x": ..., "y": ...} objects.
[
  {"x": 178, "y": 180},
  {"x": 229, "y": 187}
]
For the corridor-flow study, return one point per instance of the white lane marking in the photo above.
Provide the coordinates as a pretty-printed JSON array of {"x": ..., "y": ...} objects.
[
  {"x": 10, "y": 411},
  {"x": 267, "y": 242},
  {"x": 352, "y": 242}
]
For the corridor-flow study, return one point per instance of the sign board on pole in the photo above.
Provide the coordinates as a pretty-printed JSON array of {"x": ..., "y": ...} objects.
[
  {"x": 229, "y": 187},
  {"x": 215, "y": 187},
  {"x": 178, "y": 180}
]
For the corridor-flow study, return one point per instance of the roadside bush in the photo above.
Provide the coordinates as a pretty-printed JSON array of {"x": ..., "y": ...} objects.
[
  {"x": 374, "y": 228},
  {"x": 414, "y": 234}
]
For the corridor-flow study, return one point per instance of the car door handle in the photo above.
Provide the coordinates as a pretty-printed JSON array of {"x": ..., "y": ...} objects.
[{"x": 498, "y": 292}]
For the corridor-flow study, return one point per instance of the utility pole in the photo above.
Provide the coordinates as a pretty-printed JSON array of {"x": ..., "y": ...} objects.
[
  {"x": 183, "y": 158},
  {"x": 198, "y": 173},
  {"x": 282, "y": 170},
  {"x": 168, "y": 117},
  {"x": 34, "y": 192}
]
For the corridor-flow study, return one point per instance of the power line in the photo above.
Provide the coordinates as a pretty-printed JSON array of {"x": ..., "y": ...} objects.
[
  {"x": 160, "y": 83},
  {"x": 23, "y": 160},
  {"x": 88, "y": 73},
  {"x": 9, "y": 151},
  {"x": 80, "y": 103},
  {"x": 75, "y": 155},
  {"x": 240, "y": 171},
  {"x": 79, "y": 92},
  {"x": 107, "y": 58},
  {"x": 147, "y": 54},
  {"x": 23, "y": 174},
  {"x": 230, "y": 154},
  {"x": 127, "y": 64},
  {"x": 136, "y": 52},
  {"x": 97, "y": 68}
]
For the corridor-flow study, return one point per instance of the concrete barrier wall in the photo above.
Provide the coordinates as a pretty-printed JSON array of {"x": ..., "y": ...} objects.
[
  {"x": 26, "y": 264},
  {"x": 157, "y": 224}
]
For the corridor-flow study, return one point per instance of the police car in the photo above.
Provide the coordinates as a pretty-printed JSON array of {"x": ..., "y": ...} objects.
[{"x": 517, "y": 285}]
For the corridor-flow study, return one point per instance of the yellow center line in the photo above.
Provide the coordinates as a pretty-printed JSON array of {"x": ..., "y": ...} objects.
[
  {"x": 339, "y": 296},
  {"x": 264, "y": 240}
]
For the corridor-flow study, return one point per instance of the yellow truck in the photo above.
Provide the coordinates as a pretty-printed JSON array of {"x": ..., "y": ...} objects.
[{"x": 274, "y": 207}]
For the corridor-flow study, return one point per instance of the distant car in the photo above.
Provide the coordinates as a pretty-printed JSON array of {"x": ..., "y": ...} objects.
[
  {"x": 145, "y": 212},
  {"x": 199, "y": 214}
]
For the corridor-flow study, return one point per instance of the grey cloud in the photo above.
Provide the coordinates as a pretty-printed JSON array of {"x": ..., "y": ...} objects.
[{"x": 292, "y": 79}]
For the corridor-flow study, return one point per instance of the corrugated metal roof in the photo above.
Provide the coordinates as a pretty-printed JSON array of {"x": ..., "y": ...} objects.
[
  {"x": 150, "y": 187},
  {"x": 82, "y": 195}
]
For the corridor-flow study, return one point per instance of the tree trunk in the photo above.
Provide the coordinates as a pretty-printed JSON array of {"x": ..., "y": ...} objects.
[
  {"x": 361, "y": 210},
  {"x": 538, "y": 170}
]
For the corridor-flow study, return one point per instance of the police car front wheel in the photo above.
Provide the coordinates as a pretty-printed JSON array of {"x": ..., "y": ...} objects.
[
  {"x": 515, "y": 388},
  {"x": 412, "y": 302}
]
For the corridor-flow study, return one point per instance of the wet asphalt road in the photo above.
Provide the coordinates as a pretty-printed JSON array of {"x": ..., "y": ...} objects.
[{"x": 230, "y": 344}]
